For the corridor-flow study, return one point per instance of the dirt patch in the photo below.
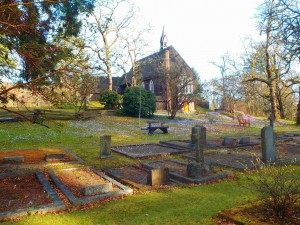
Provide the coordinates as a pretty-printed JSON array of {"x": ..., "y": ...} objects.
[
  {"x": 76, "y": 179},
  {"x": 35, "y": 156},
  {"x": 20, "y": 192},
  {"x": 258, "y": 213}
]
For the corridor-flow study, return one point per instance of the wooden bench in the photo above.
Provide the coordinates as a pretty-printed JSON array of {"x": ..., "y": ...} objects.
[
  {"x": 243, "y": 122},
  {"x": 153, "y": 125}
]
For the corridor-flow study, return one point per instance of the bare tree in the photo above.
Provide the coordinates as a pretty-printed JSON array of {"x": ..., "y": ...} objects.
[
  {"x": 229, "y": 85},
  {"x": 106, "y": 24},
  {"x": 134, "y": 44}
]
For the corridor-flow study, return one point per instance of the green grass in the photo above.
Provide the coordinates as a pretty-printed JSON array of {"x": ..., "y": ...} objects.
[{"x": 193, "y": 205}]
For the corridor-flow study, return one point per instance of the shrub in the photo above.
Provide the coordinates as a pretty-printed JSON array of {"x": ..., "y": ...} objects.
[
  {"x": 131, "y": 102},
  {"x": 279, "y": 186},
  {"x": 110, "y": 99}
]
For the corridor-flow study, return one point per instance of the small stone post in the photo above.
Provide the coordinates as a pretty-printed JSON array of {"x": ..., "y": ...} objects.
[
  {"x": 268, "y": 144},
  {"x": 105, "y": 146},
  {"x": 201, "y": 141}
]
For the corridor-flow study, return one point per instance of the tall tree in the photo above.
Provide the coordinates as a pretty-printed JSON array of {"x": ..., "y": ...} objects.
[
  {"x": 29, "y": 30},
  {"x": 106, "y": 24}
]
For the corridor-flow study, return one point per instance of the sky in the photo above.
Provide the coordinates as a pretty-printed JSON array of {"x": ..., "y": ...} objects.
[{"x": 201, "y": 30}]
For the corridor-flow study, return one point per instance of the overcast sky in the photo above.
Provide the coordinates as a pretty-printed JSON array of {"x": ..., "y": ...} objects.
[{"x": 201, "y": 30}]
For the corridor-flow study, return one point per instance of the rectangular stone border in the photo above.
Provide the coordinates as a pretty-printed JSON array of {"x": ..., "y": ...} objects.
[
  {"x": 180, "y": 150},
  {"x": 185, "y": 179},
  {"x": 43, "y": 164},
  {"x": 89, "y": 199},
  {"x": 57, "y": 204}
]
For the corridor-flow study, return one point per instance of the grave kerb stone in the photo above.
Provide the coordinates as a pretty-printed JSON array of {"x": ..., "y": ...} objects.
[{"x": 13, "y": 159}]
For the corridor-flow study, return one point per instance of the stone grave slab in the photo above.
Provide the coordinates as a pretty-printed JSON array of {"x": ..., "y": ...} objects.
[
  {"x": 27, "y": 192},
  {"x": 72, "y": 181},
  {"x": 146, "y": 150},
  {"x": 178, "y": 171},
  {"x": 37, "y": 158},
  {"x": 55, "y": 157}
]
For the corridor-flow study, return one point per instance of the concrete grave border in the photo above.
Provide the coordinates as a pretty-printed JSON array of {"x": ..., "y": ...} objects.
[
  {"x": 185, "y": 179},
  {"x": 177, "y": 150},
  {"x": 89, "y": 199},
  {"x": 43, "y": 164},
  {"x": 57, "y": 204}
]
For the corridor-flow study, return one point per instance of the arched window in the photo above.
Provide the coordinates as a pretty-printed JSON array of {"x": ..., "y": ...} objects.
[{"x": 151, "y": 87}]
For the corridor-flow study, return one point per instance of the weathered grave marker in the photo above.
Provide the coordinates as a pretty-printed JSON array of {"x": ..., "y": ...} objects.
[
  {"x": 52, "y": 157},
  {"x": 194, "y": 135},
  {"x": 268, "y": 144},
  {"x": 13, "y": 159},
  {"x": 158, "y": 177},
  {"x": 244, "y": 141},
  {"x": 199, "y": 168},
  {"x": 227, "y": 141},
  {"x": 97, "y": 189},
  {"x": 105, "y": 146}
]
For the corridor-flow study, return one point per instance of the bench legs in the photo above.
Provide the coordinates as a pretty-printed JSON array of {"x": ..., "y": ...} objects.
[{"x": 152, "y": 129}]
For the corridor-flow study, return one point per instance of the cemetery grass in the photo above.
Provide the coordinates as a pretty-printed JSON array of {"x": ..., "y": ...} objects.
[{"x": 193, "y": 205}]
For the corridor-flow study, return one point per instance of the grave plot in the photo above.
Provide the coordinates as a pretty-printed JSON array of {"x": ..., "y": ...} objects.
[
  {"x": 289, "y": 150},
  {"x": 87, "y": 185},
  {"x": 147, "y": 150},
  {"x": 36, "y": 157},
  {"x": 134, "y": 176},
  {"x": 240, "y": 158},
  {"x": 211, "y": 144},
  {"x": 24, "y": 193},
  {"x": 178, "y": 171}
]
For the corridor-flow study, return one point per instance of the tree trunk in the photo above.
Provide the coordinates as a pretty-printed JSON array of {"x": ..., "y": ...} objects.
[
  {"x": 274, "y": 110},
  {"x": 298, "y": 111}
]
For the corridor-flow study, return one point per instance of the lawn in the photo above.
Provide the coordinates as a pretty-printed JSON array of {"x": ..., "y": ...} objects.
[{"x": 188, "y": 205}]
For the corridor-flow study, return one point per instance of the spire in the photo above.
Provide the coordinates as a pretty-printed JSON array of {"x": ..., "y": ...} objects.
[{"x": 163, "y": 39}]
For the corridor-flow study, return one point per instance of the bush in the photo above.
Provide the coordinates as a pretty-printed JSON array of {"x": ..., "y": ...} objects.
[
  {"x": 110, "y": 99},
  {"x": 279, "y": 186},
  {"x": 131, "y": 102}
]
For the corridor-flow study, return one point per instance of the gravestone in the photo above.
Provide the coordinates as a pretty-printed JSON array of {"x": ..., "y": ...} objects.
[
  {"x": 97, "y": 189},
  {"x": 199, "y": 168},
  {"x": 194, "y": 136},
  {"x": 244, "y": 141},
  {"x": 227, "y": 141},
  {"x": 13, "y": 159},
  {"x": 268, "y": 144},
  {"x": 105, "y": 146},
  {"x": 158, "y": 177},
  {"x": 52, "y": 157}
]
